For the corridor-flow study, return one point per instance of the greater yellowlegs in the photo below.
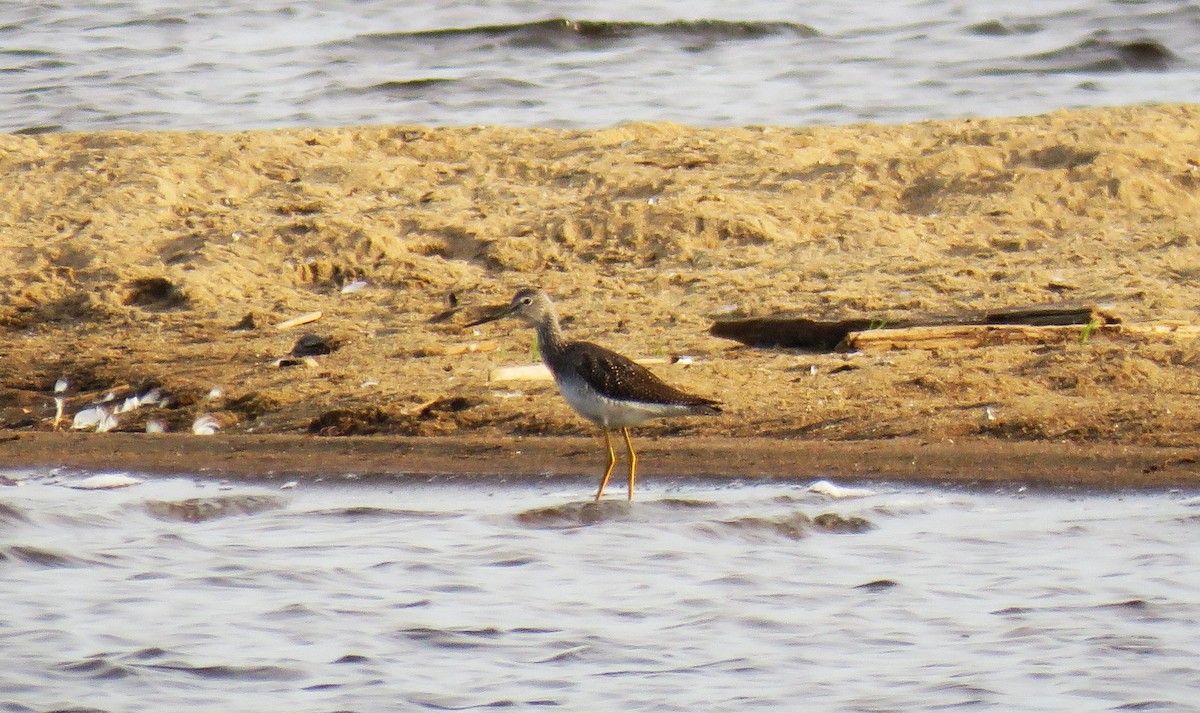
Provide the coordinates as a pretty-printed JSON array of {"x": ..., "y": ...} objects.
[{"x": 609, "y": 390}]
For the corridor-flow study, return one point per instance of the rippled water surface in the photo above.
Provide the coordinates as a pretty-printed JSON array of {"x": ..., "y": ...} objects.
[
  {"x": 188, "y": 64},
  {"x": 369, "y": 597}
]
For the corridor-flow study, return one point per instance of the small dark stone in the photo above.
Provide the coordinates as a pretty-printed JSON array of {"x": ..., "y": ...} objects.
[
  {"x": 312, "y": 345},
  {"x": 248, "y": 322},
  {"x": 155, "y": 293},
  {"x": 452, "y": 404}
]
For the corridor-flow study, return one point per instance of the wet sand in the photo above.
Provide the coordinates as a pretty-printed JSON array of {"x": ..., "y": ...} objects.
[
  {"x": 279, "y": 458},
  {"x": 167, "y": 259}
]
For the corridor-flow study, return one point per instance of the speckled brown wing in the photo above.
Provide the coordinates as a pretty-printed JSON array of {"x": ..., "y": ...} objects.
[{"x": 622, "y": 378}]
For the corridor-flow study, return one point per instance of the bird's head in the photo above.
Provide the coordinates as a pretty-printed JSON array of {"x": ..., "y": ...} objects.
[{"x": 529, "y": 304}]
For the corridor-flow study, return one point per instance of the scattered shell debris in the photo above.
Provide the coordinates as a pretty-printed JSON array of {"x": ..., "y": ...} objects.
[
  {"x": 103, "y": 413},
  {"x": 153, "y": 397}
]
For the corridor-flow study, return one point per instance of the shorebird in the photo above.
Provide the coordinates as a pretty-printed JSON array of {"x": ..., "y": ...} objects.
[{"x": 610, "y": 390}]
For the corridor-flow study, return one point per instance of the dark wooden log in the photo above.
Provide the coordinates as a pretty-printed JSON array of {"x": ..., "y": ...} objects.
[
  {"x": 792, "y": 332},
  {"x": 788, "y": 332}
]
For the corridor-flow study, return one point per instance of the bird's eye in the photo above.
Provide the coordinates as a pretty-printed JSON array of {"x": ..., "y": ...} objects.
[{"x": 526, "y": 301}]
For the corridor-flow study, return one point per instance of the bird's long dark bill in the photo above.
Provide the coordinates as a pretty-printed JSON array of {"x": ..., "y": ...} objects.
[{"x": 493, "y": 314}]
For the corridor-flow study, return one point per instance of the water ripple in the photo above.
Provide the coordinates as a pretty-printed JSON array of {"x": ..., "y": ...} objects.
[
  {"x": 562, "y": 33},
  {"x": 239, "y": 673},
  {"x": 203, "y": 509},
  {"x": 41, "y": 557},
  {"x": 241, "y": 65}
]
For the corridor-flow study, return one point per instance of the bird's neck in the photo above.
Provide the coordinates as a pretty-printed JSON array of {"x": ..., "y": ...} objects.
[{"x": 550, "y": 339}]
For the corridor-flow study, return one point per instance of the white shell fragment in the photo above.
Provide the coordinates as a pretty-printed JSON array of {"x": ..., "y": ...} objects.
[
  {"x": 205, "y": 425},
  {"x": 286, "y": 362},
  {"x": 89, "y": 417},
  {"x": 356, "y": 286},
  {"x": 108, "y": 422},
  {"x": 133, "y": 402},
  {"x": 105, "y": 481},
  {"x": 156, "y": 425},
  {"x": 305, "y": 318},
  {"x": 824, "y": 487}
]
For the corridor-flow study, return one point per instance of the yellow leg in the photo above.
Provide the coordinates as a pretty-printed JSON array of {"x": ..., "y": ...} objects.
[
  {"x": 632, "y": 461},
  {"x": 612, "y": 461}
]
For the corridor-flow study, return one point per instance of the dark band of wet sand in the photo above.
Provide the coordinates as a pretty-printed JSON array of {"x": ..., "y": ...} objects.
[{"x": 967, "y": 463}]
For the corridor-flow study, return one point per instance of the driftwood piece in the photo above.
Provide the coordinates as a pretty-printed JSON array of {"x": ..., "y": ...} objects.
[
  {"x": 456, "y": 349},
  {"x": 987, "y": 335},
  {"x": 1054, "y": 314},
  {"x": 306, "y": 318},
  {"x": 963, "y": 336},
  {"x": 801, "y": 333}
]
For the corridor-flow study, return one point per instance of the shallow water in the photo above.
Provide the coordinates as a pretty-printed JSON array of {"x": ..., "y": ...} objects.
[
  {"x": 177, "y": 593},
  {"x": 229, "y": 65}
]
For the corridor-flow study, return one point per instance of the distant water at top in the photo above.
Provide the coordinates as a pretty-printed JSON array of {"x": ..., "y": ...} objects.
[{"x": 242, "y": 64}]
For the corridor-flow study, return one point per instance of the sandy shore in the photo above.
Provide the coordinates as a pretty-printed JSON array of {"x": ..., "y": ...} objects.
[{"x": 130, "y": 260}]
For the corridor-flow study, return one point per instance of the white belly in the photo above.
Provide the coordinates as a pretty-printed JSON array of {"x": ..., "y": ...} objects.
[{"x": 610, "y": 413}]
